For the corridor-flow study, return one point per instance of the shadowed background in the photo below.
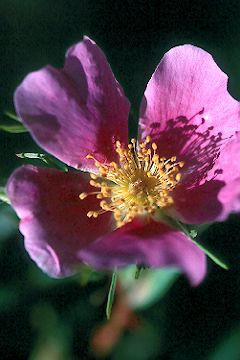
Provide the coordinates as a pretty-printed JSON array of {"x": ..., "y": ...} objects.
[{"x": 48, "y": 319}]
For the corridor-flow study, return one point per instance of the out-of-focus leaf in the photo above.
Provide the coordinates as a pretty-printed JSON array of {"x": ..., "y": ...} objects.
[
  {"x": 111, "y": 294},
  {"x": 8, "y": 223},
  {"x": 149, "y": 287},
  {"x": 141, "y": 344},
  {"x": 138, "y": 271},
  {"x": 8, "y": 298},
  {"x": 3, "y": 195},
  {"x": 13, "y": 128},
  {"x": 47, "y": 159},
  {"x": 229, "y": 348},
  {"x": 86, "y": 274},
  {"x": 53, "y": 336}
]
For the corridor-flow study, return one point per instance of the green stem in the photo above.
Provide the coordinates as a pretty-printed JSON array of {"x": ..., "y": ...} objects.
[{"x": 111, "y": 294}]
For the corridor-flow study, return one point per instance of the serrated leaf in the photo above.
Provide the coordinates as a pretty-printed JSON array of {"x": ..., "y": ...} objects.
[
  {"x": 3, "y": 195},
  {"x": 13, "y": 128},
  {"x": 111, "y": 294}
]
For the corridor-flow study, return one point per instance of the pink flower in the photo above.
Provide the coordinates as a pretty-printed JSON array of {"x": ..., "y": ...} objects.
[{"x": 184, "y": 163}]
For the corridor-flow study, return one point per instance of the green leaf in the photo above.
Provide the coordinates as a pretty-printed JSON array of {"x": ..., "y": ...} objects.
[
  {"x": 53, "y": 336},
  {"x": 8, "y": 224},
  {"x": 12, "y": 116},
  {"x": 15, "y": 129},
  {"x": 47, "y": 159},
  {"x": 151, "y": 286},
  {"x": 213, "y": 257},
  {"x": 9, "y": 298},
  {"x": 87, "y": 274},
  {"x": 3, "y": 195},
  {"x": 12, "y": 127},
  {"x": 111, "y": 294},
  {"x": 29, "y": 155},
  {"x": 141, "y": 344},
  {"x": 191, "y": 236},
  {"x": 229, "y": 347}
]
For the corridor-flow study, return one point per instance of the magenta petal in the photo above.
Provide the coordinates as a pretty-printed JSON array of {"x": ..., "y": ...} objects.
[
  {"x": 53, "y": 218},
  {"x": 228, "y": 165},
  {"x": 227, "y": 169},
  {"x": 75, "y": 111},
  {"x": 215, "y": 199},
  {"x": 152, "y": 244},
  {"x": 199, "y": 204},
  {"x": 186, "y": 81},
  {"x": 229, "y": 197},
  {"x": 188, "y": 110}
]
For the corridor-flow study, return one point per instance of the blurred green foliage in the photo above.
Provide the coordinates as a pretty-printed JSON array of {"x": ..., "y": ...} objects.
[{"x": 46, "y": 319}]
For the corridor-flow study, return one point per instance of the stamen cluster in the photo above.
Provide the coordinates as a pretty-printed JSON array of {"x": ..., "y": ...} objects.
[{"x": 139, "y": 184}]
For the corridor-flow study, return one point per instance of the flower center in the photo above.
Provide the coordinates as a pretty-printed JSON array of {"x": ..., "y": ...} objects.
[{"x": 139, "y": 184}]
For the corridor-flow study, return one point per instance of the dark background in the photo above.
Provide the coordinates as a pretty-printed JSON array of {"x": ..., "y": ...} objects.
[{"x": 46, "y": 319}]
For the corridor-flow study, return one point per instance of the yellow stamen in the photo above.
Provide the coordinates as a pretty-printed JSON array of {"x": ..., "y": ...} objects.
[
  {"x": 83, "y": 195},
  {"x": 138, "y": 184}
]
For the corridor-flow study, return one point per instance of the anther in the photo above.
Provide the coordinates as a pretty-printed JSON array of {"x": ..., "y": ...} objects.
[
  {"x": 89, "y": 156},
  {"x": 83, "y": 195},
  {"x": 178, "y": 177},
  {"x": 90, "y": 214},
  {"x": 154, "y": 146}
]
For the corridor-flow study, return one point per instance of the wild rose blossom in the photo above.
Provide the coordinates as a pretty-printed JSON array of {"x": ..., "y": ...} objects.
[{"x": 184, "y": 163}]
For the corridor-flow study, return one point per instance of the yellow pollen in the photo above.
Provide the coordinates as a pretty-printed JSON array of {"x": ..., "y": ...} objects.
[{"x": 138, "y": 184}]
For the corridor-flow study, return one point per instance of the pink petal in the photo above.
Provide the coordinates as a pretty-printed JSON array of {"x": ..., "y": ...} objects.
[
  {"x": 53, "y": 218},
  {"x": 228, "y": 164},
  {"x": 228, "y": 170},
  {"x": 75, "y": 111},
  {"x": 197, "y": 205},
  {"x": 188, "y": 110},
  {"x": 152, "y": 244},
  {"x": 215, "y": 199},
  {"x": 229, "y": 197}
]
